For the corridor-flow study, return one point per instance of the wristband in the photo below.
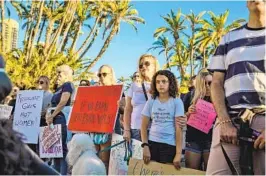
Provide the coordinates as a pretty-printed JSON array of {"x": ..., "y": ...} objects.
[{"x": 145, "y": 144}]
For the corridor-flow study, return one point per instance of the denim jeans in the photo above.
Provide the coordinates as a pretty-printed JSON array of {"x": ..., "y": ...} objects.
[
  {"x": 135, "y": 134},
  {"x": 60, "y": 164}
]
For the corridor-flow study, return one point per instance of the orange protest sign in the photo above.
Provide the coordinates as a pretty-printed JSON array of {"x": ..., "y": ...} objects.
[{"x": 95, "y": 109}]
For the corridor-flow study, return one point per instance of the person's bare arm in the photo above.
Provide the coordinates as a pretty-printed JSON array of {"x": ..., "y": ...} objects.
[
  {"x": 144, "y": 138},
  {"x": 228, "y": 132},
  {"x": 218, "y": 96},
  {"x": 179, "y": 139},
  {"x": 127, "y": 118}
]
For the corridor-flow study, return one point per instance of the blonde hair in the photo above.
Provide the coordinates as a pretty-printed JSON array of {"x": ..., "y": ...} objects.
[
  {"x": 156, "y": 63},
  {"x": 112, "y": 71},
  {"x": 67, "y": 70},
  {"x": 200, "y": 87}
]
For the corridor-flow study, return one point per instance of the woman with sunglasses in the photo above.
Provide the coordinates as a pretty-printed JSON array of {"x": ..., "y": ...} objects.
[
  {"x": 137, "y": 96},
  {"x": 198, "y": 143},
  {"x": 106, "y": 76},
  {"x": 59, "y": 103},
  {"x": 136, "y": 78}
]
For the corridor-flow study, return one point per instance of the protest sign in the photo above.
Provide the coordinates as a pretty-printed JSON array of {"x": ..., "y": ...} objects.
[
  {"x": 117, "y": 165},
  {"x": 27, "y": 114},
  {"x": 5, "y": 111},
  {"x": 204, "y": 117},
  {"x": 95, "y": 109},
  {"x": 137, "y": 167},
  {"x": 50, "y": 142}
]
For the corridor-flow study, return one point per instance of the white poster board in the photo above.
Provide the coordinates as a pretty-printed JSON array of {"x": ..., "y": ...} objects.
[
  {"x": 5, "y": 111},
  {"x": 28, "y": 113},
  {"x": 117, "y": 165},
  {"x": 50, "y": 141}
]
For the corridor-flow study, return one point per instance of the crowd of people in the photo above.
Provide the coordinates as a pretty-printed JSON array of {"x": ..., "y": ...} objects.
[{"x": 154, "y": 112}]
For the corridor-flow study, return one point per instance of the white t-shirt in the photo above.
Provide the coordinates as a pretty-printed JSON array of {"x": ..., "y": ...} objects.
[
  {"x": 163, "y": 119},
  {"x": 138, "y": 100}
]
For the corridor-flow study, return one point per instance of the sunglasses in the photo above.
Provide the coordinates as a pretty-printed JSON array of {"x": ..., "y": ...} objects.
[
  {"x": 102, "y": 74},
  {"x": 145, "y": 63},
  {"x": 208, "y": 83},
  {"x": 136, "y": 76}
]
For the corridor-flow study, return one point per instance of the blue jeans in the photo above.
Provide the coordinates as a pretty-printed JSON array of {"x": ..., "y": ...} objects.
[{"x": 60, "y": 164}]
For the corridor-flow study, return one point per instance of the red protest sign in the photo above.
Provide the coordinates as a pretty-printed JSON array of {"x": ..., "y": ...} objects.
[{"x": 95, "y": 109}]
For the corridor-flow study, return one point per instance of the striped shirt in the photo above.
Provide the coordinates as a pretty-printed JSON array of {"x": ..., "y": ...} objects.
[{"x": 241, "y": 56}]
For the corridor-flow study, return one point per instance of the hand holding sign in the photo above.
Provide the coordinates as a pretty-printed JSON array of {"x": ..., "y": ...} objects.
[{"x": 204, "y": 116}]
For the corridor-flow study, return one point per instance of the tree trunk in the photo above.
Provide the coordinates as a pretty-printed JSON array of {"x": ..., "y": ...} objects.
[
  {"x": 40, "y": 35},
  {"x": 2, "y": 24},
  {"x": 59, "y": 30},
  {"x": 192, "y": 51},
  {"x": 48, "y": 35},
  {"x": 89, "y": 46},
  {"x": 106, "y": 44},
  {"x": 36, "y": 28},
  {"x": 204, "y": 59},
  {"x": 67, "y": 29},
  {"x": 90, "y": 34},
  {"x": 167, "y": 59},
  {"x": 75, "y": 39}
]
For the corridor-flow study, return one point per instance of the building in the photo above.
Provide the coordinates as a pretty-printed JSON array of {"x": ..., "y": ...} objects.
[{"x": 10, "y": 30}]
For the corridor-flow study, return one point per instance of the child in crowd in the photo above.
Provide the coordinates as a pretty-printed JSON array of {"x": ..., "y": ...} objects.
[{"x": 164, "y": 142}]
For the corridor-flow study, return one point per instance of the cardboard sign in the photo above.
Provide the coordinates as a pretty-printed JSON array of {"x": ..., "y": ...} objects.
[
  {"x": 137, "y": 167},
  {"x": 95, "y": 109},
  {"x": 50, "y": 142},
  {"x": 5, "y": 111},
  {"x": 27, "y": 114},
  {"x": 204, "y": 117},
  {"x": 117, "y": 165}
]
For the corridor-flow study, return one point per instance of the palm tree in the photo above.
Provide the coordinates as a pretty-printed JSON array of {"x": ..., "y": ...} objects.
[
  {"x": 119, "y": 11},
  {"x": 96, "y": 10},
  {"x": 193, "y": 20},
  {"x": 164, "y": 45},
  {"x": 175, "y": 25},
  {"x": 2, "y": 24},
  {"x": 180, "y": 59},
  {"x": 212, "y": 31},
  {"x": 35, "y": 31}
]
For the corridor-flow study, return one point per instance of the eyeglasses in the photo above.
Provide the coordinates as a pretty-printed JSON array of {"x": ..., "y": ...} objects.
[
  {"x": 145, "y": 63},
  {"x": 136, "y": 76},
  {"x": 209, "y": 83},
  {"x": 102, "y": 74},
  {"x": 161, "y": 81}
]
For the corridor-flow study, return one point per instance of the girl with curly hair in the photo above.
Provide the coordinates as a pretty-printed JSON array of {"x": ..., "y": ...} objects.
[{"x": 164, "y": 142}]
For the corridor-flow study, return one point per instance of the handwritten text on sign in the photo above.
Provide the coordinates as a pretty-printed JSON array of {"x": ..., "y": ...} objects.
[
  {"x": 137, "y": 167},
  {"x": 95, "y": 109},
  {"x": 117, "y": 165},
  {"x": 28, "y": 113},
  {"x": 51, "y": 142},
  {"x": 204, "y": 117},
  {"x": 5, "y": 111}
]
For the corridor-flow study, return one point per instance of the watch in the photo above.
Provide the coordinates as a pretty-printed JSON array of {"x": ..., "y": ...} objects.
[{"x": 145, "y": 144}]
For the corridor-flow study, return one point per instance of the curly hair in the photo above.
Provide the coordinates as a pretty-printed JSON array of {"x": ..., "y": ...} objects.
[
  {"x": 14, "y": 158},
  {"x": 173, "y": 89}
]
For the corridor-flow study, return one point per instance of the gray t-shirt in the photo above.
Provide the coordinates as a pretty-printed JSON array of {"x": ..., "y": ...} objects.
[{"x": 163, "y": 119}]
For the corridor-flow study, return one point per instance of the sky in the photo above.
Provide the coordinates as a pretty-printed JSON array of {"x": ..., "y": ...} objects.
[{"x": 126, "y": 47}]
